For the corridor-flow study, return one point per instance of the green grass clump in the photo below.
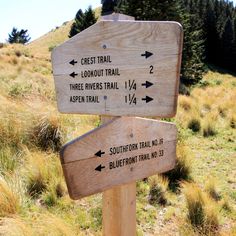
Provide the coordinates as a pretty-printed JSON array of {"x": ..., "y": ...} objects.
[
  {"x": 202, "y": 212},
  {"x": 210, "y": 188},
  {"x": 183, "y": 168},
  {"x": 209, "y": 129},
  {"x": 194, "y": 124},
  {"x": 47, "y": 134},
  {"x": 9, "y": 160},
  {"x": 11, "y": 132},
  {"x": 232, "y": 122},
  {"x": 158, "y": 187},
  {"x": 9, "y": 200}
]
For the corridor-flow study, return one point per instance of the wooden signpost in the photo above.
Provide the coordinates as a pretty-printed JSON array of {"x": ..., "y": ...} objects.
[{"x": 119, "y": 67}]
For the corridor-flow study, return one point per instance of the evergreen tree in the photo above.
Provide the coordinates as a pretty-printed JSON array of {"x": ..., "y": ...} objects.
[
  {"x": 192, "y": 68},
  {"x": 18, "y": 36},
  {"x": 149, "y": 10},
  {"x": 82, "y": 21},
  {"x": 193, "y": 50},
  {"x": 227, "y": 44},
  {"x": 108, "y": 6}
]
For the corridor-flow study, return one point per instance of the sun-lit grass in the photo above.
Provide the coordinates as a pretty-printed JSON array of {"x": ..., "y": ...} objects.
[
  {"x": 183, "y": 167},
  {"x": 9, "y": 200},
  {"x": 202, "y": 212},
  {"x": 158, "y": 188}
]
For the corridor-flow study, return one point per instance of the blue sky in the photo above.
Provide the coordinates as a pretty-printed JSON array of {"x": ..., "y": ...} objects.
[{"x": 38, "y": 16}]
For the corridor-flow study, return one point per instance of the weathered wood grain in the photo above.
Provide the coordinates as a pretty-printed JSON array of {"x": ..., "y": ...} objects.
[
  {"x": 124, "y": 44},
  {"x": 130, "y": 149}
]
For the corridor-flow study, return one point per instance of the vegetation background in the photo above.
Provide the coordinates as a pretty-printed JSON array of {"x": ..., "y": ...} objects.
[{"x": 198, "y": 197}]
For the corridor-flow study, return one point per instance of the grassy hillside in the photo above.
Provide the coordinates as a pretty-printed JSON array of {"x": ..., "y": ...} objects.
[
  {"x": 199, "y": 196},
  {"x": 41, "y": 46}
]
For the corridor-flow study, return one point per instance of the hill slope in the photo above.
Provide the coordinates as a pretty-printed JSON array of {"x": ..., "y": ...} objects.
[
  {"x": 41, "y": 46},
  {"x": 34, "y": 199}
]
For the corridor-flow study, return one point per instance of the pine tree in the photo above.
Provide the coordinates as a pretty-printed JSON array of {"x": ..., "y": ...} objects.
[
  {"x": 193, "y": 50},
  {"x": 82, "y": 21},
  {"x": 227, "y": 44},
  {"x": 148, "y": 9},
  {"x": 108, "y": 6},
  {"x": 18, "y": 36}
]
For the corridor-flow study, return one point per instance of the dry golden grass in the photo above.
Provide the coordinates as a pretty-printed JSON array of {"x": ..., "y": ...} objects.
[
  {"x": 158, "y": 188},
  {"x": 202, "y": 211},
  {"x": 210, "y": 188},
  {"x": 40, "y": 47},
  {"x": 14, "y": 227},
  {"x": 9, "y": 200}
]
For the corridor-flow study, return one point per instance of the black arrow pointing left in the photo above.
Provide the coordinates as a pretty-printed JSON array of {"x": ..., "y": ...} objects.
[
  {"x": 73, "y": 74},
  {"x": 73, "y": 62},
  {"x": 99, "y": 153},
  {"x": 99, "y": 168}
]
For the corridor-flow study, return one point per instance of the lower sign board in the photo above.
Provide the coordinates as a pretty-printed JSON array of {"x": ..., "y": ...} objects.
[{"x": 123, "y": 150}]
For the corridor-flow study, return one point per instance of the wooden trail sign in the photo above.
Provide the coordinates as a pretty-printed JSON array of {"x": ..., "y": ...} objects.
[
  {"x": 120, "y": 68},
  {"x": 123, "y": 150}
]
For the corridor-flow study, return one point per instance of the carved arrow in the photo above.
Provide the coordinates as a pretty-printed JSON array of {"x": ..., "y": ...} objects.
[
  {"x": 99, "y": 168},
  {"x": 73, "y": 62},
  {"x": 147, "y": 84},
  {"x": 73, "y": 74},
  {"x": 147, "y": 99},
  {"x": 99, "y": 153},
  {"x": 147, "y": 54}
]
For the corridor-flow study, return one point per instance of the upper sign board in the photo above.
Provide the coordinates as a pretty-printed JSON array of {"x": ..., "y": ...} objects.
[
  {"x": 121, "y": 151},
  {"x": 120, "y": 68}
]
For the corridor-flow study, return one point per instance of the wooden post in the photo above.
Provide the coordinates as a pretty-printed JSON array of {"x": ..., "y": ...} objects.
[
  {"x": 119, "y": 207},
  {"x": 119, "y": 203}
]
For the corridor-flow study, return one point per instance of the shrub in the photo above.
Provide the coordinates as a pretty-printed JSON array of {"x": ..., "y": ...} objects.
[
  {"x": 224, "y": 203},
  {"x": 194, "y": 124},
  {"x": 8, "y": 160},
  {"x": 183, "y": 167},
  {"x": 9, "y": 201},
  {"x": 209, "y": 129},
  {"x": 232, "y": 122},
  {"x": 185, "y": 103},
  {"x": 184, "y": 90},
  {"x": 37, "y": 174},
  {"x": 222, "y": 111},
  {"x": 202, "y": 212},
  {"x": 50, "y": 48},
  {"x": 11, "y": 133},
  {"x": 210, "y": 188},
  {"x": 158, "y": 188},
  {"x": 47, "y": 134},
  {"x": 18, "y": 53}
]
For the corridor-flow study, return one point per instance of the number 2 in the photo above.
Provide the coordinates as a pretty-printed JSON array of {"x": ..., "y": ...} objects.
[{"x": 151, "y": 69}]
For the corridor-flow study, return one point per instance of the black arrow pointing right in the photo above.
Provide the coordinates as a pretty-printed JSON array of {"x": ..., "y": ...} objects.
[
  {"x": 73, "y": 74},
  {"x": 73, "y": 62},
  {"x": 99, "y": 168},
  {"x": 147, "y": 54},
  {"x": 147, "y": 84},
  {"x": 99, "y": 153},
  {"x": 147, "y": 99}
]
